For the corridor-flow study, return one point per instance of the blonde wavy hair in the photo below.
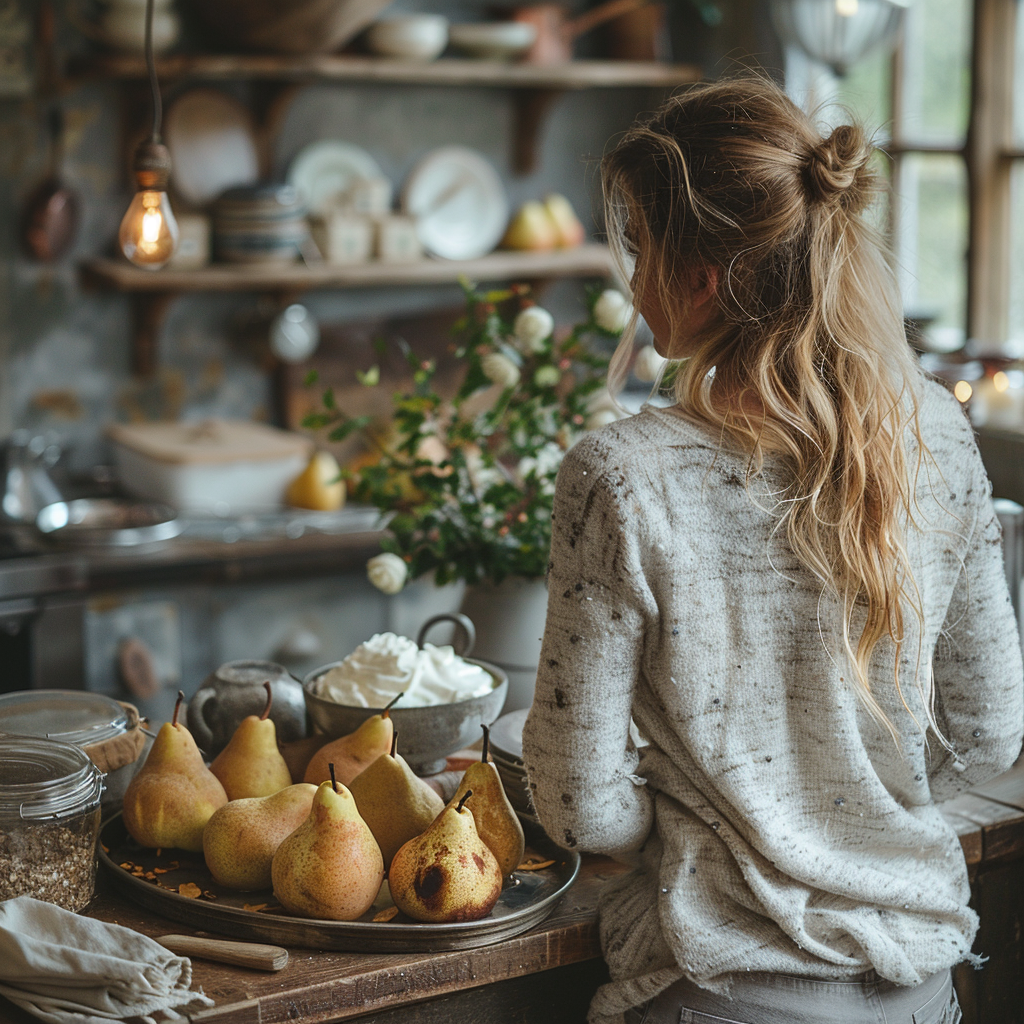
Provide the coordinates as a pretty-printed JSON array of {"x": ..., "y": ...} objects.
[{"x": 805, "y": 355}]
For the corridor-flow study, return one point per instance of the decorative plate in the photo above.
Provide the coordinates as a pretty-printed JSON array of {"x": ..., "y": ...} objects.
[
  {"x": 162, "y": 880},
  {"x": 459, "y": 202},
  {"x": 323, "y": 171}
]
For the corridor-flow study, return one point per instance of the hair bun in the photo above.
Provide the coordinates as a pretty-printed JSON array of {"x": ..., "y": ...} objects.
[{"x": 836, "y": 168}]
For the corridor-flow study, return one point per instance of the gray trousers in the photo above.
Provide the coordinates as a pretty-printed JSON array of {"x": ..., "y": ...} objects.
[{"x": 787, "y": 999}]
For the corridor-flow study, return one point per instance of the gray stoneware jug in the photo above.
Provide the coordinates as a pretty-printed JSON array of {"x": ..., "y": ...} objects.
[{"x": 236, "y": 690}]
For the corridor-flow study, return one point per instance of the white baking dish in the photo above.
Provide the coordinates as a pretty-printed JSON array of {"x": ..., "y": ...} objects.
[{"x": 213, "y": 465}]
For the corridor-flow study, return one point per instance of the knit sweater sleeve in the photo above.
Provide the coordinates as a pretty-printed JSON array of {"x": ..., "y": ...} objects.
[
  {"x": 579, "y": 757},
  {"x": 979, "y": 682}
]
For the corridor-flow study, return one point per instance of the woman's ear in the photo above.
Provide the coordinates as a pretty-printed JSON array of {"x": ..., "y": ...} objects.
[{"x": 703, "y": 285}]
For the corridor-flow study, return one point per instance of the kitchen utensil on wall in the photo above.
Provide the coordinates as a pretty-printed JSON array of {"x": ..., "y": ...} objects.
[
  {"x": 325, "y": 171},
  {"x": 235, "y": 690},
  {"x": 299, "y": 26},
  {"x": 50, "y": 217},
  {"x": 212, "y": 141},
  {"x": 459, "y": 202},
  {"x": 25, "y": 460},
  {"x": 556, "y": 31}
]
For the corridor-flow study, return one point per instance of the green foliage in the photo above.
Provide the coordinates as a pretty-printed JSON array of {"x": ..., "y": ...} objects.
[{"x": 468, "y": 482}]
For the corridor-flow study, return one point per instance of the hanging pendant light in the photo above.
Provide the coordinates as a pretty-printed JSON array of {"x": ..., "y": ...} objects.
[
  {"x": 149, "y": 232},
  {"x": 838, "y": 33}
]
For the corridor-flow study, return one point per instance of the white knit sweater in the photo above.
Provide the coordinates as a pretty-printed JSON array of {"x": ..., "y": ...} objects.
[{"x": 772, "y": 824}]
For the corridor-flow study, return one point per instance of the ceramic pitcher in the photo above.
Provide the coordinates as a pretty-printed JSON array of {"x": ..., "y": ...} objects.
[{"x": 236, "y": 690}]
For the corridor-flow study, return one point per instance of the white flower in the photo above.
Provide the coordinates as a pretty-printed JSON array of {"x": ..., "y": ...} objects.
[
  {"x": 611, "y": 311},
  {"x": 648, "y": 363},
  {"x": 532, "y": 327},
  {"x": 547, "y": 376},
  {"x": 545, "y": 464},
  {"x": 499, "y": 369},
  {"x": 387, "y": 572}
]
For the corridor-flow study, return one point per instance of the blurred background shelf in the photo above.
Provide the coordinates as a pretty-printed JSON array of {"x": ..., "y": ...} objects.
[{"x": 580, "y": 74}]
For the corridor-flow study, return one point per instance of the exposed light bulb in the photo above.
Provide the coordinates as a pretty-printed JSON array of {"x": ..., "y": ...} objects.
[{"x": 149, "y": 232}]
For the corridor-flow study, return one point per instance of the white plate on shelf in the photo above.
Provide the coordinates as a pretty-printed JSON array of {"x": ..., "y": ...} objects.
[
  {"x": 323, "y": 171},
  {"x": 212, "y": 141},
  {"x": 459, "y": 202}
]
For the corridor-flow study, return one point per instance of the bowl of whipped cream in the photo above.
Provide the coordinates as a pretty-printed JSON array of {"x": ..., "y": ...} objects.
[{"x": 446, "y": 696}]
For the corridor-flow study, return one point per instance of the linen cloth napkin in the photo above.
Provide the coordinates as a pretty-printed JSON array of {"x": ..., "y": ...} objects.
[{"x": 68, "y": 969}]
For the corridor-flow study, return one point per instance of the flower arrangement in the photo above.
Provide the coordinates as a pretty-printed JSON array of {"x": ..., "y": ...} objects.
[{"x": 468, "y": 481}]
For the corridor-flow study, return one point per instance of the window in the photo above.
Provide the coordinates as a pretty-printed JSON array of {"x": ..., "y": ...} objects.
[{"x": 944, "y": 104}]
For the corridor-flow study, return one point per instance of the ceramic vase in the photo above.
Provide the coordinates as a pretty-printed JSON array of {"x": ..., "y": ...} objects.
[{"x": 509, "y": 619}]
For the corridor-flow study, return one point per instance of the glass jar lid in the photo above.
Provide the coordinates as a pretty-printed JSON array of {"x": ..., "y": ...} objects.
[
  {"x": 43, "y": 779},
  {"x": 71, "y": 716}
]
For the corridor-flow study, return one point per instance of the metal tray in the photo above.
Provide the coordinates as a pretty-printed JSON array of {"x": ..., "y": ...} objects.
[
  {"x": 521, "y": 906},
  {"x": 109, "y": 522}
]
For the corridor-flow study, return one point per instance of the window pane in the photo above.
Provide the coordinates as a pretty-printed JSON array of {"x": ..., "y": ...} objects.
[
  {"x": 936, "y": 72},
  {"x": 1016, "y": 326},
  {"x": 1018, "y": 77},
  {"x": 866, "y": 91},
  {"x": 931, "y": 205}
]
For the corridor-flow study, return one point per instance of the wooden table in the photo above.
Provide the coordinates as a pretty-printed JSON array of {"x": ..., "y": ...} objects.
[{"x": 549, "y": 973}]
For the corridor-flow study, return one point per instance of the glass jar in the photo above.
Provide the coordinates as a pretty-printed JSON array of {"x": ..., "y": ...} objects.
[
  {"x": 49, "y": 821},
  {"x": 108, "y": 731}
]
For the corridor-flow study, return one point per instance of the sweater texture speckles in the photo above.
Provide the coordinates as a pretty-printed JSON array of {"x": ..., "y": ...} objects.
[{"x": 772, "y": 824}]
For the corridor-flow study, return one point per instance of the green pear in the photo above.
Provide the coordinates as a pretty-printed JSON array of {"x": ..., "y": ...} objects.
[
  {"x": 330, "y": 866},
  {"x": 251, "y": 765},
  {"x": 241, "y": 838},
  {"x": 352, "y": 753},
  {"x": 496, "y": 821},
  {"x": 447, "y": 873},
  {"x": 394, "y": 802},
  {"x": 174, "y": 794}
]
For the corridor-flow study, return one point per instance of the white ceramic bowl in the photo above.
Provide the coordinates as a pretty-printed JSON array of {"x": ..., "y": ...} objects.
[
  {"x": 496, "y": 40},
  {"x": 409, "y": 37}
]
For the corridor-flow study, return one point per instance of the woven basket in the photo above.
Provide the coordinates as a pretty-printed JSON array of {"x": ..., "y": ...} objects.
[{"x": 288, "y": 26}]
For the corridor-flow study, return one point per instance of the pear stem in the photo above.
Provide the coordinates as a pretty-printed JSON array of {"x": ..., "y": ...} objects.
[
  {"x": 270, "y": 700},
  {"x": 465, "y": 797},
  {"x": 487, "y": 742},
  {"x": 387, "y": 707},
  {"x": 177, "y": 706},
  {"x": 394, "y": 743},
  {"x": 334, "y": 781}
]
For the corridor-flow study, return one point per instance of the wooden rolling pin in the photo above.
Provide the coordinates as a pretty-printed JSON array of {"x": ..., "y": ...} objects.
[{"x": 226, "y": 951}]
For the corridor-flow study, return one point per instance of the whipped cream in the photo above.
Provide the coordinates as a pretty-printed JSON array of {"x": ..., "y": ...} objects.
[{"x": 387, "y": 664}]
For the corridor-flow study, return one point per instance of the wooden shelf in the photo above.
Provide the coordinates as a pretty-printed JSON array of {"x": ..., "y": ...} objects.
[
  {"x": 583, "y": 74},
  {"x": 591, "y": 260}
]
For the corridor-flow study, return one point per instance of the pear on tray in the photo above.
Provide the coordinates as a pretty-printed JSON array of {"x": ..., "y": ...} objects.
[
  {"x": 330, "y": 866},
  {"x": 251, "y": 765},
  {"x": 174, "y": 794},
  {"x": 352, "y": 753},
  {"x": 496, "y": 821},
  {"x": 241, "y": 838},
  {"x": 447, "y": 873},
  {"x": 395, "y": 803}
]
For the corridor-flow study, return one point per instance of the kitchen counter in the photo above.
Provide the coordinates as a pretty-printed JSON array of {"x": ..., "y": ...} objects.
[{"x": 549, "y": 973}]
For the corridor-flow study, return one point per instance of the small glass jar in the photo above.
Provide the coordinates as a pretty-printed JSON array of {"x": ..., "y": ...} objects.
[{"x": 49, "y": 821}]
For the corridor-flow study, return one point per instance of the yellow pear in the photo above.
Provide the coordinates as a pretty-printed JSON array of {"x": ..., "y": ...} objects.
[
  {"x": 330, "y": 866},
  {"x": 173, "y": 794},
  {"x": 393, "y": 802},
  {"x": 352, "y": 753},
  {"x": 568, "y": 228},
  {"x": 447, "y": 873},
  {"x": 531, "y": 228},
  {"x": 251, "y": 765},
  {"x": 241, "y": 838},
  {"x": 496, "y": 822},
  {"x": 319, "y": 486}
]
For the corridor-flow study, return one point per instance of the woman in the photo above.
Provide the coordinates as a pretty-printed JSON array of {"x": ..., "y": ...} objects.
[{"x": 791, "y": 581}]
